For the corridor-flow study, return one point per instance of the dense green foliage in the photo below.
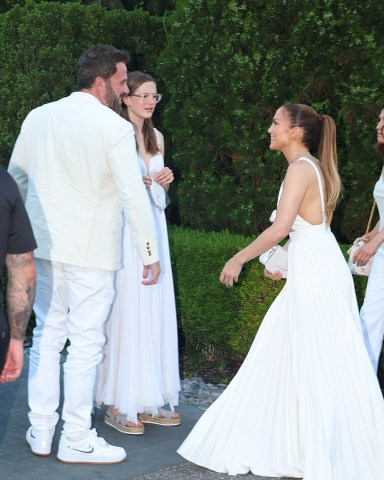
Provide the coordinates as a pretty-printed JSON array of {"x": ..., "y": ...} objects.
[
  {"x": 40, "y": 45},
  {"x": 155, "y": 7},
  {"x": 208, "y": 312},
  {"x": 229, "y": 64},
  {"x": 218, "y": 323}
]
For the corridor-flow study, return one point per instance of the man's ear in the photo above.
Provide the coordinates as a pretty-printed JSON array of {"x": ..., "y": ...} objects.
[
  {"x": 99, "y": 82},
  {"x": 126, "y": 99}
]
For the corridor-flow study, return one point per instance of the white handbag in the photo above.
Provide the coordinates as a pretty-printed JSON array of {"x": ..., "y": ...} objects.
[
  {"x": 359, "y": 242},
  {"x": 363, "y": 270},
  {"x": 275, "y": 259}
]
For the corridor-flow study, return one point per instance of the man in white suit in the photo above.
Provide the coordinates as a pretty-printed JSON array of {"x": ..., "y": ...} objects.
[{"x": 76, "y": 166}]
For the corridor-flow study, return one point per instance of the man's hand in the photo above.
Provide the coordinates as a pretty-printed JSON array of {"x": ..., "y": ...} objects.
[
  {"x": 155, "y": 272},
  {"x": 20, "y": 297},
  {"x": 13, "y": 361}
]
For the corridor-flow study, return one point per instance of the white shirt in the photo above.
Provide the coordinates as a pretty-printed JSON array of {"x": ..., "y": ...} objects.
[{"x": 75, "y": 163}]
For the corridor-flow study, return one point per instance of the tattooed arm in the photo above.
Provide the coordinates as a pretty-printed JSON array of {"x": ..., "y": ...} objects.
[{"x": 20, "y": 298}]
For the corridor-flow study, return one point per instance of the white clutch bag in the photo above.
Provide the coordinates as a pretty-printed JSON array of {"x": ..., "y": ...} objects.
[
  {"x": 275, "y": 259},
  {"x": 358, "y": 270},
  {"x": 359, "y": 242}
]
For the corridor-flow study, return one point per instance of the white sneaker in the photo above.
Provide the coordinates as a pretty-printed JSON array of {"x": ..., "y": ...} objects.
[
  {"x": 92, "y": 449},
  {"x": 40, "y": 441}
]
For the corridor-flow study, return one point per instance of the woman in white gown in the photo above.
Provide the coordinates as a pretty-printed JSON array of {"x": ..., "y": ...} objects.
[
  {"x": 140, "y": 371},
  {"x": 372, "y": 311},
  {"x": 305, "y": 403}
]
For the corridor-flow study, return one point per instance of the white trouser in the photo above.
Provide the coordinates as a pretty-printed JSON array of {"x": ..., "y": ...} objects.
[
  {"x": 372, "y": 311},
  {"x": 71, "y": 302}
]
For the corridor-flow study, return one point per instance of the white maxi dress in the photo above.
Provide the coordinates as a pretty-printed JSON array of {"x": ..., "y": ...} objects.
[
  {"x": 140, "y": 369},
  {"x": 372, "y": 311},
  {"x": 306, "y": 402}
]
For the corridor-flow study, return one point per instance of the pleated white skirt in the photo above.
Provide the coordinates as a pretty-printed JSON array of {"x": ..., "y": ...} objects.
[
  {"x": 140, "y": 369},
  {"x": 306, "y": 401}
]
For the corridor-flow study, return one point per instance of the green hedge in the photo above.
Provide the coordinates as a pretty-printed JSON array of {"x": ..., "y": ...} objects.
[
  {"x": 224, "y": 66},
  {"x": 229, "y": 64},
  {"x": 219, "y": 324},
  {"x": 41, "y": 43}
]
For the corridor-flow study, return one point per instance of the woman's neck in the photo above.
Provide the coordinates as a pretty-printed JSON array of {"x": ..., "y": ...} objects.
[
  {"x": 137, "y": 121},
  {"x": 293, "y": 152}
]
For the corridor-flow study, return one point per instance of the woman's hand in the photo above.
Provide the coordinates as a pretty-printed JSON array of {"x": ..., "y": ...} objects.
[
  {"x": 364, "y": 253},
  {"x": 231, "y": 272},
  {"x": 164, "y": 177},
  {"x": 273, "y": 276},
  {"x": 147, "y": 179}
]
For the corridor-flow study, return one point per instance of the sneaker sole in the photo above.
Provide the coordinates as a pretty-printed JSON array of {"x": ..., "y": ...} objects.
[
  {"x": 39, "y": 454},
  {"x": 88, "y": 462}
]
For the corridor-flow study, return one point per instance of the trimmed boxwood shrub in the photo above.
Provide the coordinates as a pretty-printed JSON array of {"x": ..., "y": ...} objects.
[
  {"x": 207, "y": 311},
  {"x": 41, "y": 43},
  {"x": 229, "y": 64}
]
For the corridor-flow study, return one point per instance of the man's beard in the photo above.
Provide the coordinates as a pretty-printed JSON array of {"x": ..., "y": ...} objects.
[{"x": 111, "y": 99}]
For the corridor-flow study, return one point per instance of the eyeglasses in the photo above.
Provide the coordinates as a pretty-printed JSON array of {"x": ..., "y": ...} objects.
[{"x": 148, "y": 97}]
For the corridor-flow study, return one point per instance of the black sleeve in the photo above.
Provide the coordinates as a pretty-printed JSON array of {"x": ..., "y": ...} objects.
[
  {"x": 20, "y": 237},
  {"x": 16, "y": 235}
]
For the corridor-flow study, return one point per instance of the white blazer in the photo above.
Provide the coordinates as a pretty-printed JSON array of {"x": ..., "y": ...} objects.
[{"x": 76, "y": 165}]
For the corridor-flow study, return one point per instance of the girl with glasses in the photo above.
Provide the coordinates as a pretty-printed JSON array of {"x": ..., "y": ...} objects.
[{"x": 140, "y": 372}]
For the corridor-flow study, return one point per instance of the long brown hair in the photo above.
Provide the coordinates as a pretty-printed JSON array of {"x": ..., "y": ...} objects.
[
  {"x": 320, "y": 127},
  {"x": 135, "y": 79},
  {"x": 379, "y": 147}
]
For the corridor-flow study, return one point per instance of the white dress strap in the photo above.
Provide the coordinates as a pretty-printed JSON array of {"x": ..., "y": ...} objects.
[
  {"x": 158, "y": 139},
  {"x": 319, "y": 181}
]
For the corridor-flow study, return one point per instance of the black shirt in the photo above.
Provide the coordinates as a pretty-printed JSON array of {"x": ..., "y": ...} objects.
[{"x": 16, "y": 234}]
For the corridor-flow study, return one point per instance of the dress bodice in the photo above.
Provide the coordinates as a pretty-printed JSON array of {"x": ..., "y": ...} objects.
[
  {"x": 378, "y": 194},
  {"x": 299, "y": 222},
  {"x": 156, "y": 193},
  {"x": 156, "y": 162}
]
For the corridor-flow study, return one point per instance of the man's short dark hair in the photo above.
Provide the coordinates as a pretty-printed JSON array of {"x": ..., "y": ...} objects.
[{"x": 98, "y": 61}]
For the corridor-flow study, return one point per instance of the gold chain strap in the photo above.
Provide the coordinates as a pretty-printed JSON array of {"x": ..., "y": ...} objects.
[{"x": 364, "y": 238}]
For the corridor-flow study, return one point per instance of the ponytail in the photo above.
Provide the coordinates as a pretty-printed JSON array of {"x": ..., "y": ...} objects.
[
  {"x": 329, "y": 165},
  {"x": 323, "y": 126}
]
